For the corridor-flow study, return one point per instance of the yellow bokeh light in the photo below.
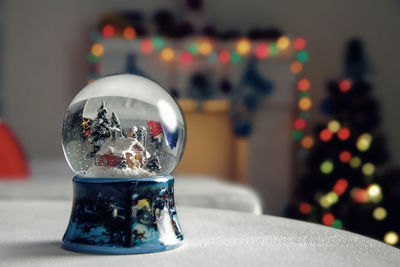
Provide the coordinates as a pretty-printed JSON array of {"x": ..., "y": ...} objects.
[
  {"x": 334, "y": 126},
  {"x": 374, "y": 193},
  {"x": 205, "y": 48},
  {"x": 368, "y": 169},
  {"x": 243, "y": 46},
  {"x": 355, "y": 162},
  {"x": 379, "y": 213},
  {"x": 391, "y": 238},
  {"x": 283, "y": 42},
  {"x": 167, "y": 54},
  {"x": 324, "y": 202},
  {"x": 307, "y": 142},
  {"x": 296, "y": 67},
  {"x": 332, "y": 197},
  {"x": 97, "y": 50},
  {"x": 305, "y": 103},
  {"x": 364, "y": 142}
]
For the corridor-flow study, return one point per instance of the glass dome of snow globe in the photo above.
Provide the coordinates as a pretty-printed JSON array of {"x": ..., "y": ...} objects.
[{"x": 123, "y": 126}]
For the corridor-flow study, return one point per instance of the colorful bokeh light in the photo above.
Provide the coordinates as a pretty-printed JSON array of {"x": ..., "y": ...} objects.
[
  {"x": 300, "y": 124},
  {"x": 368, "y": 169},
  {"x": 326, "y": 167},
  {"x": 97, "y": 49},
  {"x": 305, "y": 103},
  {"x": 283, "y": 42},
  {"x": 224, "y": 56},
  {"x": 344, "y": 85},
  {"x": 343, "y": 134},
  {"x": 302, "y": 56},
  {"x": 108, "y": 31},
  {"x": 334, "y": 126},
  {"x": 299, "y": 43},
  {"x": 186, "y": 58},
  {"x": 261, "y": 51},
  {"x": 158, "y": 42},
  {"x": 205, "y": 47},
  {"x": 345, "y": 156},
  {"x": 379, "y": 213},
  {"x": 296, "y": 67},
  {"x": 303, "y": 84},
  {"x": 307, "y": 142},
  {"x": 129, "y": 33},
  {"x": 391, "y": 238},
  {"x": 328, "y": 219},
  {"x": 146, "y": 46},
  {"x": 325, "y": 135},
  {"x": 340, "y": 186},
  {"x": 167, "y": 54},
  {"x": 305, "y": 207},
  {"x": 243, "y": 46}
]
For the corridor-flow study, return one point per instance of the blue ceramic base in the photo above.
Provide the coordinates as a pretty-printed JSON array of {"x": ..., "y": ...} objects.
[{"x": 123, "y": 216}]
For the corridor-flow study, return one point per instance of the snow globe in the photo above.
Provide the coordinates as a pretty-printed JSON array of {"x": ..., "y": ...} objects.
[{"x": 123, "y": 135}]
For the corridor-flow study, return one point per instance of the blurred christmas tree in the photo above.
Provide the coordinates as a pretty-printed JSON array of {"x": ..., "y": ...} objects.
[{"x": 345, "y": 185}]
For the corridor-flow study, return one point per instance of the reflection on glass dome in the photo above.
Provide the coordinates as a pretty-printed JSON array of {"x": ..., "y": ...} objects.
[{"x": 123, "y": 126}]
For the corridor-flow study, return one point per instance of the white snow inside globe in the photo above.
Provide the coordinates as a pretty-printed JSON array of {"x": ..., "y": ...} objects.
[{"x": 123, "y": 126}]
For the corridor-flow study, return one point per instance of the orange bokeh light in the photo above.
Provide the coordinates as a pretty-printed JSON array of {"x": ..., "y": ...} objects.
[
  {"x": 296, "y": 67},
  {"x": 129, "y": 33},
  {"x": 303, "y": 85}
]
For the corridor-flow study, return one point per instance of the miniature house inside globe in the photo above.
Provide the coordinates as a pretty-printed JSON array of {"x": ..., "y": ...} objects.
[{"x": 123, "y": 126}]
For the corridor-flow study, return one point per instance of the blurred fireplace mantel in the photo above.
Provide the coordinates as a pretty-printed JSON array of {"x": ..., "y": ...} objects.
[{"x": 211, "y": 146}]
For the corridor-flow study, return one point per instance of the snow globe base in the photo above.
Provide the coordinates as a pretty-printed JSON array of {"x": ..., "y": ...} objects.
[{"x": 123, "y": 216}]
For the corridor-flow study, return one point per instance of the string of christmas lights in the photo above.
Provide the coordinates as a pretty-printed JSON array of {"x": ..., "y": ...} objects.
[{"x": 213, "y": 52}]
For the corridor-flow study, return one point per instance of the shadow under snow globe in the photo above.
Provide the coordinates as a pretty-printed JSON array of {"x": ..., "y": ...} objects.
[{"x": 123, "y": 135}]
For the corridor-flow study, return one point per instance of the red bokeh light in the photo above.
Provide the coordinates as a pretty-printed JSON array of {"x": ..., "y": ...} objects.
[
  {"x": 108, "y": 31},
  {"x": 186, "y": 58},
  {"x": 344, "y": 85},
  {"x": 343, "y": 134},
  {"x": 360, "y": 196},
  {"x": 299, "y": 43},
  {"x": 345, "y": 156},
  {"x": 305, "y": 207},
  {"x": 328, "y": 219},
  {"x": 325, "y": 135},
  {"x": 299, "y": 124},
  {"x": 224, "y": 56},
  {"x": 340, "y": 186},
  {"x": 261, "y": 51},
  {"x": 146, "y": 46}
]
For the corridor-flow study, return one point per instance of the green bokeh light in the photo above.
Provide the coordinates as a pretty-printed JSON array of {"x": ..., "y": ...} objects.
[
  {"x": 235, "y": 57},
  {"x": 92, "y": 58},
  {"x": 273, "y": 49},
  {"x": 326, "y": 167},
  {"x": 302, "y": 56},
  {"x": 297, "y": 134},
  {"x": 194, "y": 49},
  {"x": 337, "y": 223},
  {"x": 158, "y": 42}
]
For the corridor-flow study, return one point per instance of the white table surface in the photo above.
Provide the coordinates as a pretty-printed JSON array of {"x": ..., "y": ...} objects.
[
  {"x": 52, "y": 180},
  {"x": 30, "y": 234}
]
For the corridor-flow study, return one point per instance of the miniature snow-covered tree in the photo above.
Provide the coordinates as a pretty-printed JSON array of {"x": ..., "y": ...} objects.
[{"x": 100, "y": 130}]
